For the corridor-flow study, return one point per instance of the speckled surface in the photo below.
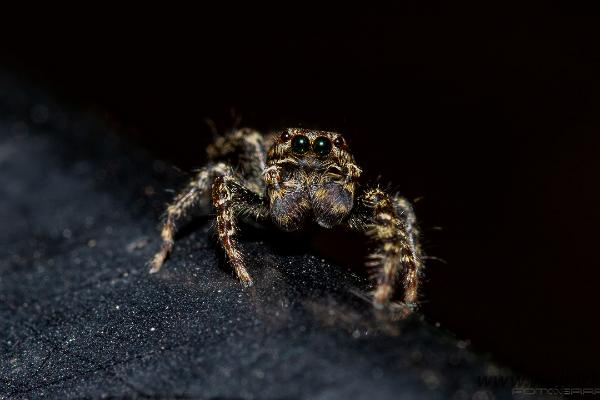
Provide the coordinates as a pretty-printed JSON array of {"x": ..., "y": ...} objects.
[{"x": 81, "y": 318}]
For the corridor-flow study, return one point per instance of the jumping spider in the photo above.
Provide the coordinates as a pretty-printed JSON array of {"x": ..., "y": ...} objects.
[{"x": 291, "y": 177}]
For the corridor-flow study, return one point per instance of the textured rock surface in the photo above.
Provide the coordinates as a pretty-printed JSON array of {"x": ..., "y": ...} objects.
[{"x": 80, "y": 317}]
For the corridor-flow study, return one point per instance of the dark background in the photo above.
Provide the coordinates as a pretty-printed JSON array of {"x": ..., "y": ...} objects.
[{"x": 490, "y": 124}]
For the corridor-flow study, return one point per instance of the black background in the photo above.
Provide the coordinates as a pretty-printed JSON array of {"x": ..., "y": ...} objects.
[{"x": 491, "y": 124}]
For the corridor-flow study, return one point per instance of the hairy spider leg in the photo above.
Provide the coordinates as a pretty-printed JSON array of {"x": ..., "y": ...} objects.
[
  {"x": 231, "y": 200},
  {"x": 246, "y": 148},
  {"x": 413, "y": 268},
  {"x": 390, "y": 224},
  {"x": 183, "y": 202}
]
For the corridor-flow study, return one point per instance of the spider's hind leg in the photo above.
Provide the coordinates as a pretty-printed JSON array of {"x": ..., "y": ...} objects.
[{"x": 245, "y": 148}]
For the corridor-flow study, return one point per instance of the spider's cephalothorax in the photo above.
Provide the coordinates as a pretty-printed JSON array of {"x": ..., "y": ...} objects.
[
  {"x": 310, "y": 174},
  {"x": 295, "y": 177}
]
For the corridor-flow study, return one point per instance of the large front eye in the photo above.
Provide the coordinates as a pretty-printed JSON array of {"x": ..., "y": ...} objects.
[
  {"x": 300, "y": 144},
  {"x": 322, "y": 146}
]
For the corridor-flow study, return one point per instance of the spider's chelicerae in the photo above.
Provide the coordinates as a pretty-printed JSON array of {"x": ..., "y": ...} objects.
[{"x": 293, "y": 177}]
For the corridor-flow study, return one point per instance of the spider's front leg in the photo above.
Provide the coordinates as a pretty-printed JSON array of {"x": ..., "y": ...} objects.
[
  {"x": 390, "y": 224},
  {"x": 183, "y": 202},
  {"x": 231, "y": 200},
  {"x": 244, "y": 145}
]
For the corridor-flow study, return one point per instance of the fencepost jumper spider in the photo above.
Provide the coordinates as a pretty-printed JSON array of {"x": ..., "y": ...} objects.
[{"x": 293, "y": 177}]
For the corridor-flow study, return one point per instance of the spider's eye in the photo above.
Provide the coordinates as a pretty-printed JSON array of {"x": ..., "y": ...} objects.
[
  {"x": 285, "y": 136},
  {"x": 339, "y": 142},
  {"x": 322, "y": 146},
  {"x": 300, "y": 144}
]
